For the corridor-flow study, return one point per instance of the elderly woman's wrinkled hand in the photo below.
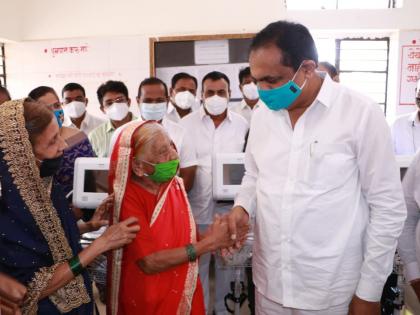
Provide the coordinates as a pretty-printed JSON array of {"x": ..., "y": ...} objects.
[
  {"x": 12, "y": 294},
  {"x": 119, "y": 234},
  {"x": 219, "y": 233},
  {"x": 101, "y": 215}
]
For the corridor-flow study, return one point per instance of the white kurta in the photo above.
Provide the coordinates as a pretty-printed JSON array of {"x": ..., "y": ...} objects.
[{"x": 327, "y": 198}]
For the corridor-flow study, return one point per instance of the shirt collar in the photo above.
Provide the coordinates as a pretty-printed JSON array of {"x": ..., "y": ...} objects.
[
  {"x": 244, "y": 105},
  {"x": 414, "y": 117},
  {"x": 326, "y": 93},
  {"x": 109, "y": 127}
]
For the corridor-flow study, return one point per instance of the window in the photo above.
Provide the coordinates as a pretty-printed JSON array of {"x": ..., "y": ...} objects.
[
  {"x": 341, "y": 4},
  {"x": 2, "y": 66},
  {"x": 363, "y": 66}
]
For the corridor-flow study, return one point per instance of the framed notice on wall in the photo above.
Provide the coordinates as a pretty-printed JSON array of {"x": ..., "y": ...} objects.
[
  {"x": 409, "y": 67},
  {"x": 200, "y": 54}
]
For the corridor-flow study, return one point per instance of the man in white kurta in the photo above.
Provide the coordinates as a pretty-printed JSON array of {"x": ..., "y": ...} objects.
[{"x": 322, "y": 179}]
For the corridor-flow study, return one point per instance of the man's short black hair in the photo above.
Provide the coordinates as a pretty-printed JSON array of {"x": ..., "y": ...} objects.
[
  {"x": 332, "y": 71},
  {"x": 72, "y": 87},
  {"x": 214, "y": 76},
  {"x": 111, "y": 86},
  {"x": 245, "y": 72},
  {"x": 293, "y": 39},
  {"x": 183, "y": 75},
  {"x": 40, "y": 91},
  {"x": 152, "y": 81},
  {"x": 5, "y": 92}
]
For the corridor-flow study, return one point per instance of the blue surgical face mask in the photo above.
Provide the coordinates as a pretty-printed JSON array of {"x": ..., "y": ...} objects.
[
  {"x": 59, "y": 114},
  {"x": 283, "y": 96}
]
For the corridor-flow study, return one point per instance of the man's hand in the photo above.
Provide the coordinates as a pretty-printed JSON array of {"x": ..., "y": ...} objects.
[
  {"x": 362, "y": 307},
  {"x": 238, "y": 220},
  {"x": 12, "y": 294}
]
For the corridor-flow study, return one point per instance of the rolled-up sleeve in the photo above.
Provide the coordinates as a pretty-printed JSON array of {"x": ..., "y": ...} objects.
[{"x": 381, "y": 187}]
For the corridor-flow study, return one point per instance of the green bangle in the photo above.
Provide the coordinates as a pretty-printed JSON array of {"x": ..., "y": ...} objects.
[
  {"x": 75, "y": 265},
  {"x": 191, "y": 253}
]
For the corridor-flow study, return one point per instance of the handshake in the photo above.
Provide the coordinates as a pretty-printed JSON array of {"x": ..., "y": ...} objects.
[{"x": 228, "y": 232}]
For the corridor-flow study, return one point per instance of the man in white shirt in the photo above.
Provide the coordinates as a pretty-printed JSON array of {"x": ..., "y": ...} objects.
[
  {"x": 183, "y": 94},
  {"x": 322, "y": 180},
  {"x": 152, "y": 98},
  {"x": 75, "y": 102},
  {"x": 408, "y": 242},
  {"x": 215, "y": 129},
  {"x": 251, "y": 100},
  {"x": 406, "y": 130}
]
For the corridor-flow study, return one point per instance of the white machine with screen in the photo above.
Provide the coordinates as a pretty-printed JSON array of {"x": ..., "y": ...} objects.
[
  {"x": 90, "y": 185},
  {"x": 228, "y": 170}
]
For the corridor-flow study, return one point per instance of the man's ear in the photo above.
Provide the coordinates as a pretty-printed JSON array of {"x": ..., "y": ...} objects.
[
  {"x": 86, "y": 101},
  {"x": 308, "y": 67}
]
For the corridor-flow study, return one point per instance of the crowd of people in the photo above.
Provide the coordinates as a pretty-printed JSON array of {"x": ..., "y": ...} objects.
[{"x": 321, "y": 187}]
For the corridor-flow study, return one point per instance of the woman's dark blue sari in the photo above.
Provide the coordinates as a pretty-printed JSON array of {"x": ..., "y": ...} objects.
[{"x": 23, "y": 248}]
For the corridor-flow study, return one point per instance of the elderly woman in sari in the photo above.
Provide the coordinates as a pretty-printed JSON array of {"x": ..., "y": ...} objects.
[
  {"x": 158, "y": 272},
  {"x": 39, "y": 238}
]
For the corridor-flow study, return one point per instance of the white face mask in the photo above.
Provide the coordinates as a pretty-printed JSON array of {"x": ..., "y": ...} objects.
[
  {"x": 153, "y": 111},
  {"x": 117, "y": 111},
  {"x": 250, "y": 91},
  {"x": 216, "y": 105},
  {"x": 184, "y": 100},
  {"x": 74, "y": 109}
]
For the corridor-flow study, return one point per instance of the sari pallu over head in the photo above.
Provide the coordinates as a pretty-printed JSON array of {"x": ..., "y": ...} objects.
[
  {"x": 119, "y": 179},
  {"x": 37, "y": 229}
]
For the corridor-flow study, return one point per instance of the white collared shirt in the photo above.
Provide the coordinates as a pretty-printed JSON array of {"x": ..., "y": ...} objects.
[
  {"x": 327, "y": 198},
  {"x": 185, "y": 147},
  {"x": 244, "y": 110},
  {"x": 406, "y": 134},
  {"x": 89, "y": 123},
  {"x": 228, "y": 137},
  {"x": 407, "y": 241},
  {"x": 172, "y": 113}
]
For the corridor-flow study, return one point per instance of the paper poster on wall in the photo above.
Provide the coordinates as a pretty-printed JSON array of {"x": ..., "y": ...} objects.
[
  {"x": 211, "y": 52},
  {"x": 410, "y": 67}
]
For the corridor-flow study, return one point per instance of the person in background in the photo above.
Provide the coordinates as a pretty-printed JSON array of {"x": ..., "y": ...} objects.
[
  {"x": 251, "y": 100},
  {"x": 12, "y": 294},
  {"x": 4, "y": 95},
  {"x": 214, "y": 129},
  {"x": 408, "y": 241},
  {"x": 78, "y": 144},
  {"x": 327, "y": 67},
  {"x": 74, "y": 103},
  {"x": 406, "y": 129},
  {"x": 115, "y": 103},
  {"x": 322, "y": 181},
  {"x": 39, "y": 237},
  {"x": 152, "y": 99},
  {"x": 183, "y": 93}
]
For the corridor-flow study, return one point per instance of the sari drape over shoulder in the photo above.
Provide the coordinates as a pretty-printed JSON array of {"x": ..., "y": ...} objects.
[
  {"x": 166, "y": 222},
  {"x": 37, "y": 229}
]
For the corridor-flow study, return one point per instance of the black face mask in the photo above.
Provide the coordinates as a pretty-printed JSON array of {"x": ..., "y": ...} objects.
[{"x": 50, "y": 166}]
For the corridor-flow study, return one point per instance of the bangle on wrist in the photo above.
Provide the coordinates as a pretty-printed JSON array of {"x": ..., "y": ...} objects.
[
  {"x": 75, "y": 265},
  {"x": 191, "y": 253}
]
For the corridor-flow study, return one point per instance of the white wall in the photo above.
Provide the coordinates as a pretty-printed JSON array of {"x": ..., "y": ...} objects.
[
  {"x": 54, "y": 22},
  {"x": 10, "y": 20}
]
